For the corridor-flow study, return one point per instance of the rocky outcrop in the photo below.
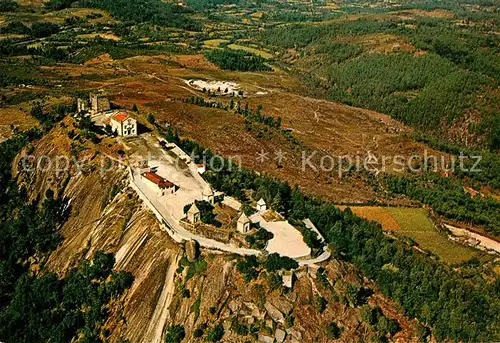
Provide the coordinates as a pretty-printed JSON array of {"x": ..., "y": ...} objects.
[
  {"x": 274, "y": 313},
  {"x": 192, "y": 250},
  {"x": 280, "y": 336}
]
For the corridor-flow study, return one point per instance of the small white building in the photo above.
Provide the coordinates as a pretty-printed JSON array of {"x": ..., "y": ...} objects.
[
  {"x": 201, "y": 168},
  {"x": 123, "y": 125},
  {"x": 243, "y": 224},
  {"x": 193, "y": 214},
  {"x": 287, "y": 279},
  {"x": 261, "y": 205},
  {"x": 208, "y": 194}
]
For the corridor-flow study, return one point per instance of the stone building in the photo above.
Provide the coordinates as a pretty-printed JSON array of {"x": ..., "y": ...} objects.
[
  {"x": 124, "y": 125},
  {"x": 82, "y": 106},
  {"x": 261, "y": 205},
  {"x": 243, "y": 224},
  {"x": 208, "y": 194},
  {"x": 193, "y": 214},
  {"x": 99, "y": 103}
]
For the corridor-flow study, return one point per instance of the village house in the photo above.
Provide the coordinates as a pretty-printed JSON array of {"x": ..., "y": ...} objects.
[
  {"x": 123, "y": 125},
  {"x": 243, "y": 224},
  {"x": 193, "y": 214},
  {"x": 164, "y": 186}
]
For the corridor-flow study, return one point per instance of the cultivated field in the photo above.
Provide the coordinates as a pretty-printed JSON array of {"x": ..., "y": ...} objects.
[
  {"x": 261, "y": 53},
  {"x": 416, "y": 224}
]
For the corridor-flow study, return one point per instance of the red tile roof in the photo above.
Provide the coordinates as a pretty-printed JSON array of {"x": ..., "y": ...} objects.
[
  {"x": 120, "y": 117},
  {"x": 158, "y": 180}
]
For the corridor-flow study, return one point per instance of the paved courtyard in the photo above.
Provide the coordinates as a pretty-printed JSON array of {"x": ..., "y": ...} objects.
[{"x": 287, "y": 240}]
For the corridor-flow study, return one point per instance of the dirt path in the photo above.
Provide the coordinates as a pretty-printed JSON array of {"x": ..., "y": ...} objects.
[{"x": 485, "y": 243}]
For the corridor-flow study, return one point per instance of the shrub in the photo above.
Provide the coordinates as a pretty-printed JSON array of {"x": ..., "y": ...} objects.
[
  {"x": 276, "y": 262},
  {"x": 216, "y": 333},
  {"x": 333, "y": 331},
  {"x": 175, "y": 334},
  {"x": 321, "y": 304}
]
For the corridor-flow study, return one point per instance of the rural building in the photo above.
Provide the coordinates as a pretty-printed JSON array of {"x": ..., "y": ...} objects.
[
  {"x": 243, "y": 224},
  {"x": 99, "y": 103},
  {"x": 82, "y": 106},
  {"x": 124, "y": 125},
  {"x": 193, "y": 214},
  {"x": 208, "y": 194},
  {"x": 261, "y": 205},
  {"x": 201, "y": 168},
  {"x": 164, "y": 186}
]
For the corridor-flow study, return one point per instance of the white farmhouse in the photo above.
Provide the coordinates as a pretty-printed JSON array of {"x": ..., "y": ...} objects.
[{"x": 124, "y": 125}]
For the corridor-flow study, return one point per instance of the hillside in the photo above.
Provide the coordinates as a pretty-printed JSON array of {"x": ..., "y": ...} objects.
[
  {"x": 107, "y": 215},
  {"x": 240, "y": 122}
]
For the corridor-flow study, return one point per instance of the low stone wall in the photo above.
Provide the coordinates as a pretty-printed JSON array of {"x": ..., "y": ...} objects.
[
  {"x": 239, "y": 240},
  {"x": 207, "y": 231}
]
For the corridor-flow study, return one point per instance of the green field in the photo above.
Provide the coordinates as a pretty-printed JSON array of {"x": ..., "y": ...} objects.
[
  {"x": 416, "y": 224},
  {"x": 214, "y": 43},
  {"x": 261, "y": 53}
]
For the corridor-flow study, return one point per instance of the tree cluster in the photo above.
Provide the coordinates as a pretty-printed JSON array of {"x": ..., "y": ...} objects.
[
  {"x": 156, "y": 12},
  {"x": 237, "y": 60}
]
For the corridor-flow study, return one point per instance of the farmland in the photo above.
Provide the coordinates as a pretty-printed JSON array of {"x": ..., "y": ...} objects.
[
  {"x": 254, "y": 51},
  {"x": 415, "y": 223},
  {"x": 269, "y": 84}
]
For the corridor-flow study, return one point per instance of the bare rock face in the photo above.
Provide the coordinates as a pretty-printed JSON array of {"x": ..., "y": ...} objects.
[
  {"x": 265, "y": 339},
  {"x": 280, "y": 335},
  {"x": 192, "y": 250},
  {"x": 282, "y": 304},
  {"x": 295, "y": 334},
  {"x": 274, "y": 313},
  {"x": 234, "y": 306}
]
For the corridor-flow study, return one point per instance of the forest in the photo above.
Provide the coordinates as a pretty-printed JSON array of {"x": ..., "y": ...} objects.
[
  {"x": 457, "y": 73},
  {"x": 38, "y": 29},
  {"x": 237, "y": 60},
  {"x": 489, "y": 163},
  {"x": 156, "y": 12}
]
